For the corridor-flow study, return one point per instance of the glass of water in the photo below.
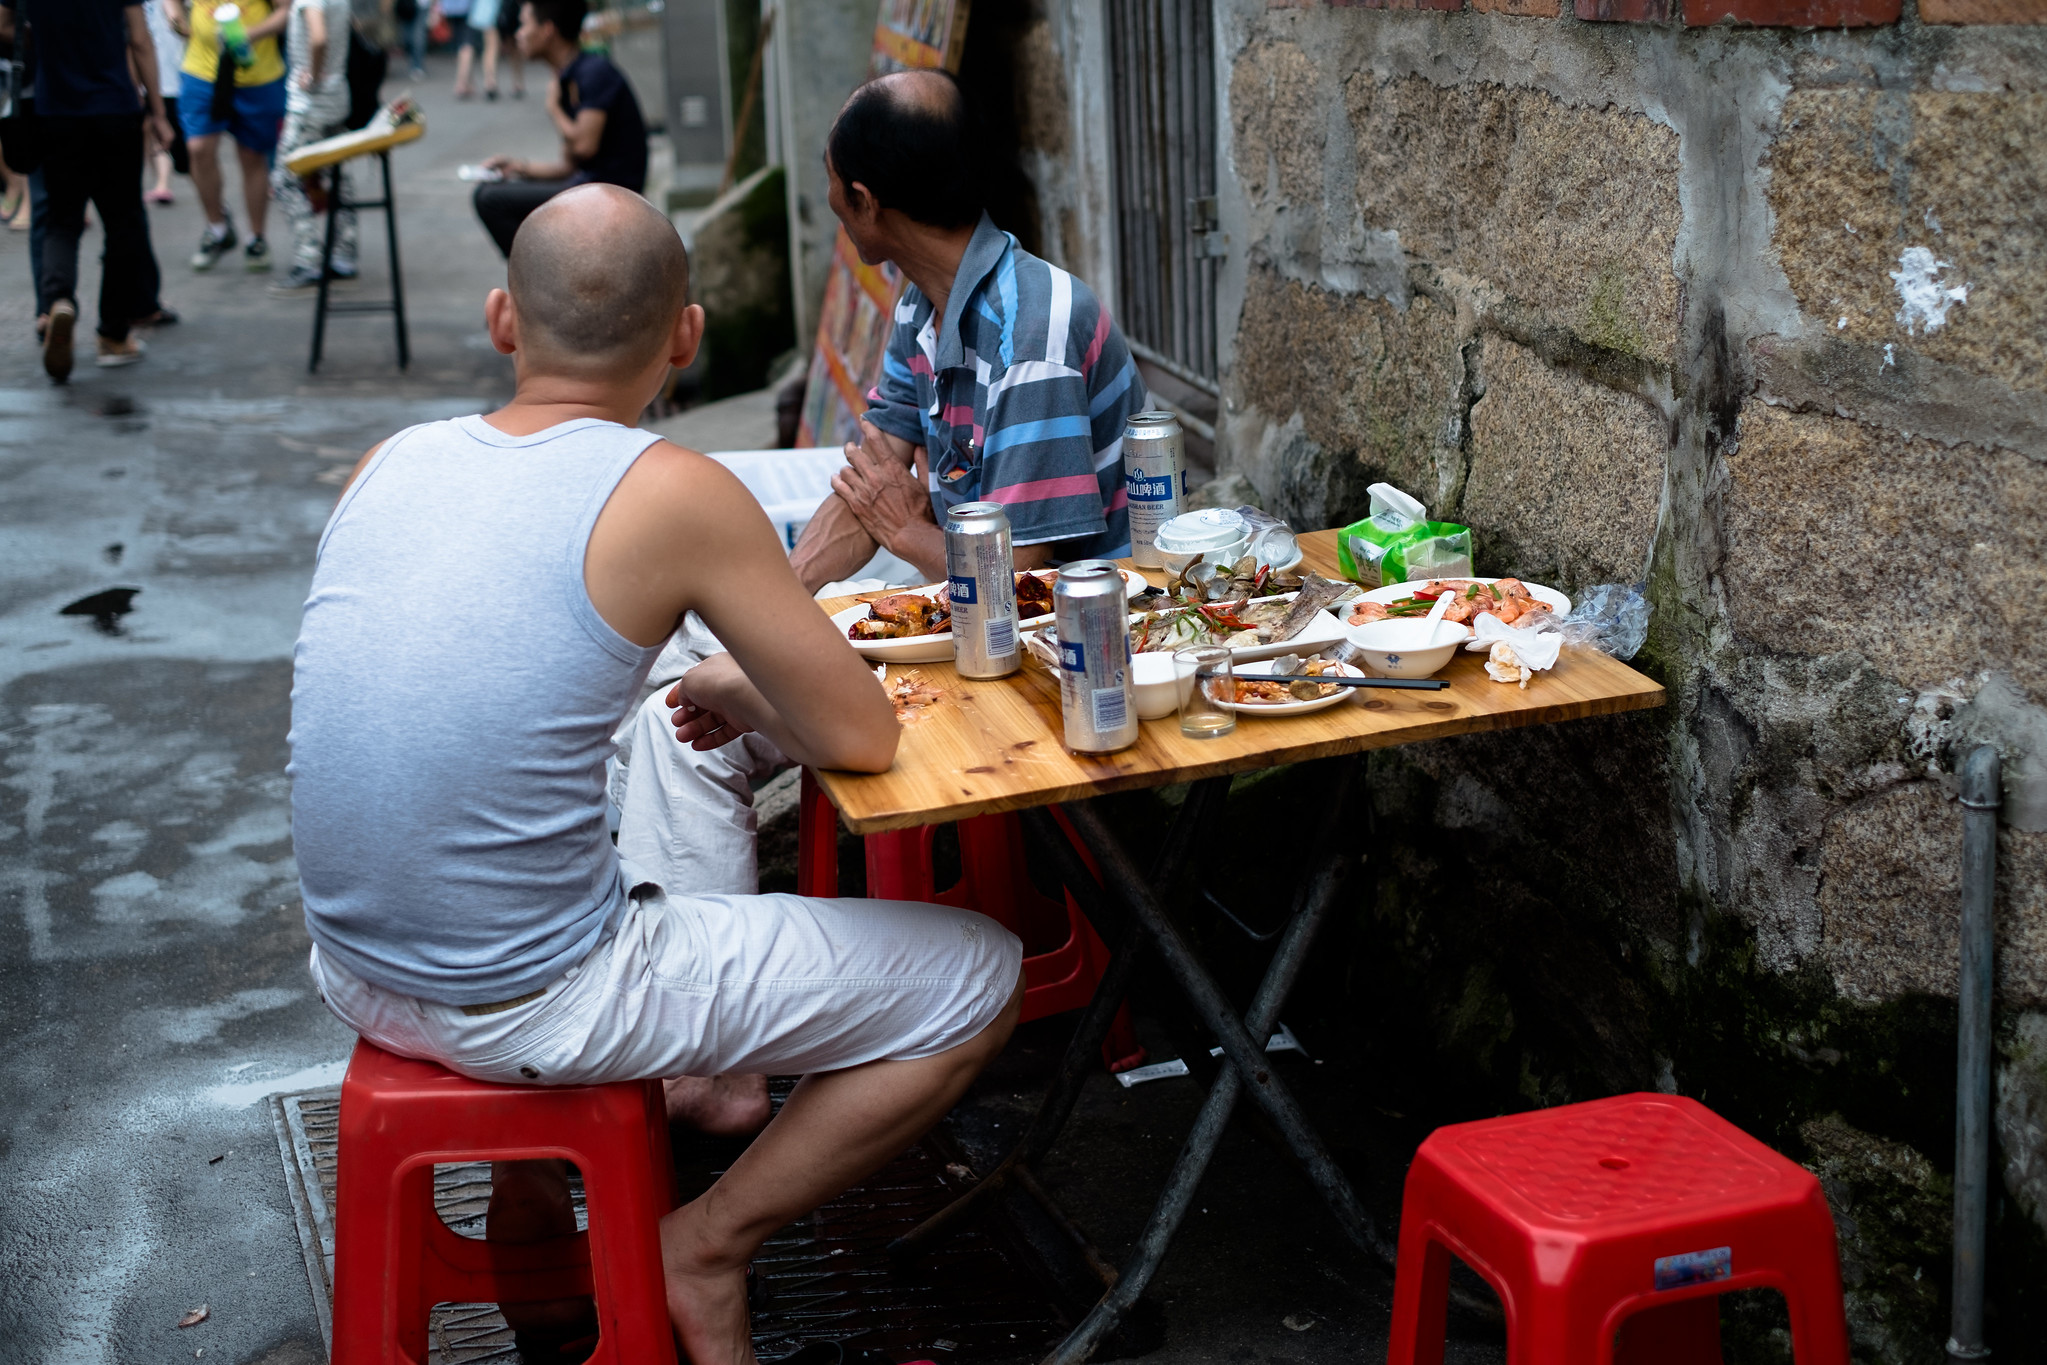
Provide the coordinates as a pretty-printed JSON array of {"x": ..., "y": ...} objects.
[{"x": 1207, "y": 687}]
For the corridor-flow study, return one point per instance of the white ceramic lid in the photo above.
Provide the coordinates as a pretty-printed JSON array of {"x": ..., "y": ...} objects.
[{"x": 1211, "y": 528}]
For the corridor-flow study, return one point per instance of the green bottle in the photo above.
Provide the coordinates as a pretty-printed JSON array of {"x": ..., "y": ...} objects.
[{"x": 234, "y": 35}]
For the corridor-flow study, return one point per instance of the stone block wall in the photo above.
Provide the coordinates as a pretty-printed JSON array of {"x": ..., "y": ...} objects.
[{"x": 1744, "y": 301}]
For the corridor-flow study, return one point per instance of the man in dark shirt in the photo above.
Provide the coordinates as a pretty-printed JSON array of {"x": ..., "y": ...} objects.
[
  {"x": 604, "y": 139},
  {"x": 90, "y": 122}
]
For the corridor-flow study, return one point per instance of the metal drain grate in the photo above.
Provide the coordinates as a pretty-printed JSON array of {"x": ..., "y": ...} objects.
[{"x": 825, "y": 1278}]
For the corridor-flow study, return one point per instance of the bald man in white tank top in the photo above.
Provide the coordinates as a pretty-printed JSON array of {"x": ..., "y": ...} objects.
[{"x": 464, "y": 900}]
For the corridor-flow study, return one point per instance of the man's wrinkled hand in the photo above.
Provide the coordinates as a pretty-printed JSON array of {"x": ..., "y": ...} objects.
[{"x": 879, "y": 489}]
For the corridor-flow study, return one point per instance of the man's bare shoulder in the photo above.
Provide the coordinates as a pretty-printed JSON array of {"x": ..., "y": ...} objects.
[{"x": 683, "y": 477}]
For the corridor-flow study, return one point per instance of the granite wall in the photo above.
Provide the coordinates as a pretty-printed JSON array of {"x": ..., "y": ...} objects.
[{"x": 1754, "y": 316}]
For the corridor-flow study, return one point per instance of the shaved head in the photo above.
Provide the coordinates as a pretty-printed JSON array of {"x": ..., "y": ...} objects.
[{"x": 599, "y": 277}]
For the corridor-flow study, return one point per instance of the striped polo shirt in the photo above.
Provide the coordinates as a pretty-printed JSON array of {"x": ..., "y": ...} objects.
[{"x": 1019, "y": 397}]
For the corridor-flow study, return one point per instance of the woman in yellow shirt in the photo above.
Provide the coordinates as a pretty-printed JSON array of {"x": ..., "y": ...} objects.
[{"x": 243, "y": 99}]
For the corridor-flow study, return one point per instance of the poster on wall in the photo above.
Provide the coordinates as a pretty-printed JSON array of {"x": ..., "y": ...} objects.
[{"x": 860, "y": 300}]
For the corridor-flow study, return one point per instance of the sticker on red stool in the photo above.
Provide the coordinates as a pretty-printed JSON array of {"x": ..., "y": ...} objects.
[{"x": 1694, "y": 1267}]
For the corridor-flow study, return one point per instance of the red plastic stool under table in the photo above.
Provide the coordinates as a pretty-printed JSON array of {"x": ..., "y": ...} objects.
[
  {"x": 1628, "y": 1215},
  {"x": 394, "y": 1258},
  {"x": 1064, "y": 956}
]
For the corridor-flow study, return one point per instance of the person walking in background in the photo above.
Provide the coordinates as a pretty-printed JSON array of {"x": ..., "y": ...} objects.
[
  {"x": 411, "y": 18},
  {"x": 165, "y": 157},
  {"x": 90, "y": 122},
  {"x": 483, "y": 20},
  {"x": 604, "y": 138},
  {"x": 316, "y": 106},
  {"x": 508, "y": 45},
  {"x": 243, "y": 97},
  {"x": 467, "y": 41}
]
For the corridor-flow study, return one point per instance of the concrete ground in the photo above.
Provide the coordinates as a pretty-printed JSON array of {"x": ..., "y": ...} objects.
[{"x": 152, "y": 977}]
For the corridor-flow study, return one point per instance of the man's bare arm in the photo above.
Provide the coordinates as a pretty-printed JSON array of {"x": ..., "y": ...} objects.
[{"x": 680, "y": 533}]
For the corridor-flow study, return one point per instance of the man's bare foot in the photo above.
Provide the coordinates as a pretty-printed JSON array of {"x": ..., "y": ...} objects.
[
  {"x": 706, "y": 1299},
  {"x": 529, "y": 1202},
  {"x": 731, "y": 1104}
]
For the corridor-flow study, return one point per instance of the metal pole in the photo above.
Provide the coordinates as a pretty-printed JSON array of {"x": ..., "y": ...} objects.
[
  {"x": 397, "y": 273},
  {"x": 1972, "y": 1070}
]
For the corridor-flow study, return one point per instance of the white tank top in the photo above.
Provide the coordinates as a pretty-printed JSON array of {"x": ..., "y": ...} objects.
[{"x": 454, "y": 694}]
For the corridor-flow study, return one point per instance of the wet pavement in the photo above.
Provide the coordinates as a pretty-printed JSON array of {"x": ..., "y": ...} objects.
[{"x": 152, "y": 980}]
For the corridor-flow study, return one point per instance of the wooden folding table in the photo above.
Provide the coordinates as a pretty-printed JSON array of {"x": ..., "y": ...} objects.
[{"x": 986, "y": 747}]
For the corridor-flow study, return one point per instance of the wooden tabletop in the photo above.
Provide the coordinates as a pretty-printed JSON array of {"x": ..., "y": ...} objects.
[{"x": 984, "y": 747}]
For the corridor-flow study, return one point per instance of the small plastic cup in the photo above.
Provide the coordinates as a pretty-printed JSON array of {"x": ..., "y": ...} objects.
[{"x": 1207, "y": 684}]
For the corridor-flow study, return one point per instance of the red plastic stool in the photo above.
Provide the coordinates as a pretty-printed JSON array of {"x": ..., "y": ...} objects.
[
  {"x": 1629, "y": 1215},
  {"x": 1064, "y": 957},
  {"x": 394, "y": 1258}
]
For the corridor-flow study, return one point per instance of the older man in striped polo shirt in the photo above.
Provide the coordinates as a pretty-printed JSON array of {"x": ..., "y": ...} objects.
[{"x": 1005, "y": 379}]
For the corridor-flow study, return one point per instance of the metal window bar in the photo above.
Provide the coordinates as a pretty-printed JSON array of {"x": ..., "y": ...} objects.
[{"x": 1162, "y": 65}]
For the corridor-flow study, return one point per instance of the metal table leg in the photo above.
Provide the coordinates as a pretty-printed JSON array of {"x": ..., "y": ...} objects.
[
  {"x": 326, "y": 266},
  {"x": 1126, "y": 938}
]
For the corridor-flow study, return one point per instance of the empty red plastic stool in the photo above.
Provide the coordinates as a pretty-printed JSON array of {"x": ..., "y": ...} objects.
[
  {"x": 1625, "y": 1216},
  {"x": 394, "y": 1258},
  {"x": 1064, "y": 957}
]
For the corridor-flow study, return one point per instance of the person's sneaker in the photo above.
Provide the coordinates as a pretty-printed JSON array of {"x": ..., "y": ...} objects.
[
  {"x": 256, "y": 255},
  {"x": 343, "y": 271},
  {"x": 114, "y": 354},
  {"x": 213, "y": 244},
  {"x": 57, "y": 340}
]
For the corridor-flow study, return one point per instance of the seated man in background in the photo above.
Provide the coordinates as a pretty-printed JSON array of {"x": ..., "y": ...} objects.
[
  {"x": 1005, "y": 380},
  {"x": 487, "y": 597},
  {"x": 604, "y": 139}
]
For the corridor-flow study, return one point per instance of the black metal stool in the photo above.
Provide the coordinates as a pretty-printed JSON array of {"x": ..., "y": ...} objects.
[{"x": 394, "y": 305}]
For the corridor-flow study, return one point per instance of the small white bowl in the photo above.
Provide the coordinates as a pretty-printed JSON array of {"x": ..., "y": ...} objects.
[
  {"x": 1158, "y": 690},
  {"x": 1176, "y": 564},
  {"x": 1405, "y": 649}
]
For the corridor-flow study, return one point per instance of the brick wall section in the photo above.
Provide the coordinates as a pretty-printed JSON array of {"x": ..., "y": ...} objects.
[
  {"x": 1983, "y": 11},
  {"x": 1703, "y": 13},
  {"x": 1627, "y": 11},
  {"x": 1794, "y": 13}
]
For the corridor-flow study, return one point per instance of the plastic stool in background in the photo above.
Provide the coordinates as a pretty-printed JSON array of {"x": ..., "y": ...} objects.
[
  {"x": 1064, "y": 957},
  {"x": 394, "y": 1258},
  {"x": 1625, "y": 1216}
]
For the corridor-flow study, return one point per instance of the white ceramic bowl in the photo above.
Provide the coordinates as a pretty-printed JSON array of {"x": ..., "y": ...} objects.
[
  {"x": 1407, "y": 648},
  {"x": 1158, "y": 691}
]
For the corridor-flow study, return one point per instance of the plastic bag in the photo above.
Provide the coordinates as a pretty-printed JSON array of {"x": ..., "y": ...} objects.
[{"x": 1612, "y": 618}]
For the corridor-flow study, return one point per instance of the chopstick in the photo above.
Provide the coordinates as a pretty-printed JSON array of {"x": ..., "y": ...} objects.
[{"x": 1414, "y": 684}]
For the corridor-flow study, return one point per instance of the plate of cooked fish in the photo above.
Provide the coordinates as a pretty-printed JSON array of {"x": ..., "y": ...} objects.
[
  {"x": 1509, "y": 599},
  {"x": 914, "y": 625},
  {"x": 1252, "y": 627}
]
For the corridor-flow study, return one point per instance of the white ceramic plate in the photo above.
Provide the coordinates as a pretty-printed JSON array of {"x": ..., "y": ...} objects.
[
  {"x": 1293, "y": 708},
  {"x": 931, "y": 649},
  {"x": 1393, "y": 592}
]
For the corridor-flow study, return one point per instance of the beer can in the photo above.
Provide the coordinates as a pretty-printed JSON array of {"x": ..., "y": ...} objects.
[
  {"x": 1092, "y": 619},
  {"x": 1154, "y": 478},
  {"x": 982, "y": 586}
]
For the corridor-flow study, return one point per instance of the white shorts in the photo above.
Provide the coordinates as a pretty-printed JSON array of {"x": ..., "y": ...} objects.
[{"x": 697, "y": 985}]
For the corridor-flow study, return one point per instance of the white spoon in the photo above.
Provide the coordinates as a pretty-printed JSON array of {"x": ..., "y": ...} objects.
[{"x": 1436, "y": 613}]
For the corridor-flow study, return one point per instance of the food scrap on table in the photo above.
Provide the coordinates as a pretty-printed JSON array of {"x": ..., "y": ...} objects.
[{"x": 913, "y": 695}]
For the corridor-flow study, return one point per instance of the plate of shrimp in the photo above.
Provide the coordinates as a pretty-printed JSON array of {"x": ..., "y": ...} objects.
[{"x": 1509, "y": 599}]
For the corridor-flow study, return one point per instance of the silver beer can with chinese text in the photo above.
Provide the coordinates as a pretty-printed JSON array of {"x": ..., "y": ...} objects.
[
  {"x": 1092, "y": 618},
  {"x": 1154, "y": 480},
  {"x": 982, "y": 586}
]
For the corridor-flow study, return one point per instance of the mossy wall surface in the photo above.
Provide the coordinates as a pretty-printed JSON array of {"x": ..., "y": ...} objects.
[{"x": 1625, "y": 299}]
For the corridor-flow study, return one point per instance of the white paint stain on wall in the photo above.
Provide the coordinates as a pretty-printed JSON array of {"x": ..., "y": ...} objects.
[{"x": 1923, "y": 296}]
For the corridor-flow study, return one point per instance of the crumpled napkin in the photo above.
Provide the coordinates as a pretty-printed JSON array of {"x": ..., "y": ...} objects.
[{"x": 1514, "y": 655}]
